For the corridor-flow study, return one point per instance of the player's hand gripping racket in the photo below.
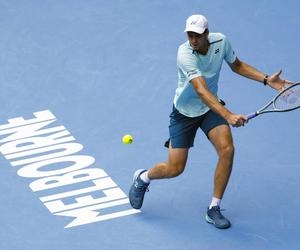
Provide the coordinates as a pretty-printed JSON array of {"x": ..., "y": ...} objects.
[{"x": 286, "y": 100}]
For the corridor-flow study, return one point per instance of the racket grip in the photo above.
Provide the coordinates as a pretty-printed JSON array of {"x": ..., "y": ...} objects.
[{"x": 250, "y": 116}]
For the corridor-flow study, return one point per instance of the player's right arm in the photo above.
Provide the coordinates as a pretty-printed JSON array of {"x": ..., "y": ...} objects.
[
  {"x": 213, "y": 103},
  {"x": 187, "y": 62}
]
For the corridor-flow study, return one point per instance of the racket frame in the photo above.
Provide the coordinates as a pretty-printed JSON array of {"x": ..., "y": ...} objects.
[{"x": 272, "y": 103}]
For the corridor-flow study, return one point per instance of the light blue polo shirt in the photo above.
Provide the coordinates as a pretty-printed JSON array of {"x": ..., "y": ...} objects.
[{"x": 192, "y": 64}]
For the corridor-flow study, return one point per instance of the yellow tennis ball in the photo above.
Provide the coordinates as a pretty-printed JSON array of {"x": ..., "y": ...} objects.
[{"x": 127, "y": 139}]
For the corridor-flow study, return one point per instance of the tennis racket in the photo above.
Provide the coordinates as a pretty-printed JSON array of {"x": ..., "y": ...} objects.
[{"x": 286, "y": 100}]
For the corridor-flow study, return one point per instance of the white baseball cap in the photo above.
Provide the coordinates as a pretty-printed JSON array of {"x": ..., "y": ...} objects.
[{"x": 196, "y": 23}]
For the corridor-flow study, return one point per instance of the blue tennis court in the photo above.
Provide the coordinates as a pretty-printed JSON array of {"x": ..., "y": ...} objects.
[{"x": 78, "y": 75}]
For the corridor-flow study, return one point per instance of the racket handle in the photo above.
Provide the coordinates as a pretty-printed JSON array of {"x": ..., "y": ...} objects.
[{"x": 251, "y": 116}]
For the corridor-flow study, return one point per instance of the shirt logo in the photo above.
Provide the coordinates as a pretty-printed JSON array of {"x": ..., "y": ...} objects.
[
  {"x": 192, "y": 72},
  {"x": 217, "y": 51}
]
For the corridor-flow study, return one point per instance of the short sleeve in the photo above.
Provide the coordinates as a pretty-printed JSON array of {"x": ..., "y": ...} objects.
[
  {"x": 187, "y": 62},
  {"x": 229, "y": 54}
]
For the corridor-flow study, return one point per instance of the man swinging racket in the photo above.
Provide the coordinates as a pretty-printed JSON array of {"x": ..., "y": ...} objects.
[{"x": 196, "y": 105}]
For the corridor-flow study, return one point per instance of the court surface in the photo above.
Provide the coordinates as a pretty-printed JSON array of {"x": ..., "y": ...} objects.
[{"x": 78, "y": 75}]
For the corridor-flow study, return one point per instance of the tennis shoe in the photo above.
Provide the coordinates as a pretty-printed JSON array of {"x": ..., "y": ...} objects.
[
  {"x": 215, "y": 217},
  {"x": 137, "y": 190}
]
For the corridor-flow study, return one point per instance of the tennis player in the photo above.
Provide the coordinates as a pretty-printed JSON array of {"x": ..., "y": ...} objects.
[{"x": 196, "y": 105}]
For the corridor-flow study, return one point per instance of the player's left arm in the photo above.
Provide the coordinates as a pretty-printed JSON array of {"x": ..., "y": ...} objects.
[{"x": 250, "y": 72}]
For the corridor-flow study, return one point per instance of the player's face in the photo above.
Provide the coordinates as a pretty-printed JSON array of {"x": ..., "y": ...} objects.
[{"x": 198, "y": 41}]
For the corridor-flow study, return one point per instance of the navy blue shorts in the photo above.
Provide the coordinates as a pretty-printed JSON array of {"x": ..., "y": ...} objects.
[{"x": 183, "y": 129}]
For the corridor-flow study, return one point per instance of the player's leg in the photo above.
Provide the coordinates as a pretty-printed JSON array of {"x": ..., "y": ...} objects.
[
  {"x": 218, "y": 132},
  {"x": 173, "y": 167},
  {"x": 182, "y": 133},
  {"x": 222, "y": 140}
]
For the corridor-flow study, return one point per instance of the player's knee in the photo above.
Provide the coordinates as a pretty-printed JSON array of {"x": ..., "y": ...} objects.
[
  {"x": 175, "y": 169},
  {"x": 227, "y": 151}
]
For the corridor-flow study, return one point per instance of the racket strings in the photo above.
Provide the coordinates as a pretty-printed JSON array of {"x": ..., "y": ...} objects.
[{"x": 288, "y": 99}]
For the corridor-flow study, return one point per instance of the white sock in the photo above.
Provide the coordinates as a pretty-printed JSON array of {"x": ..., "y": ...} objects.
[
  {"x": 215, "y": 202},
  {"x": 144, "y": 177}
]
